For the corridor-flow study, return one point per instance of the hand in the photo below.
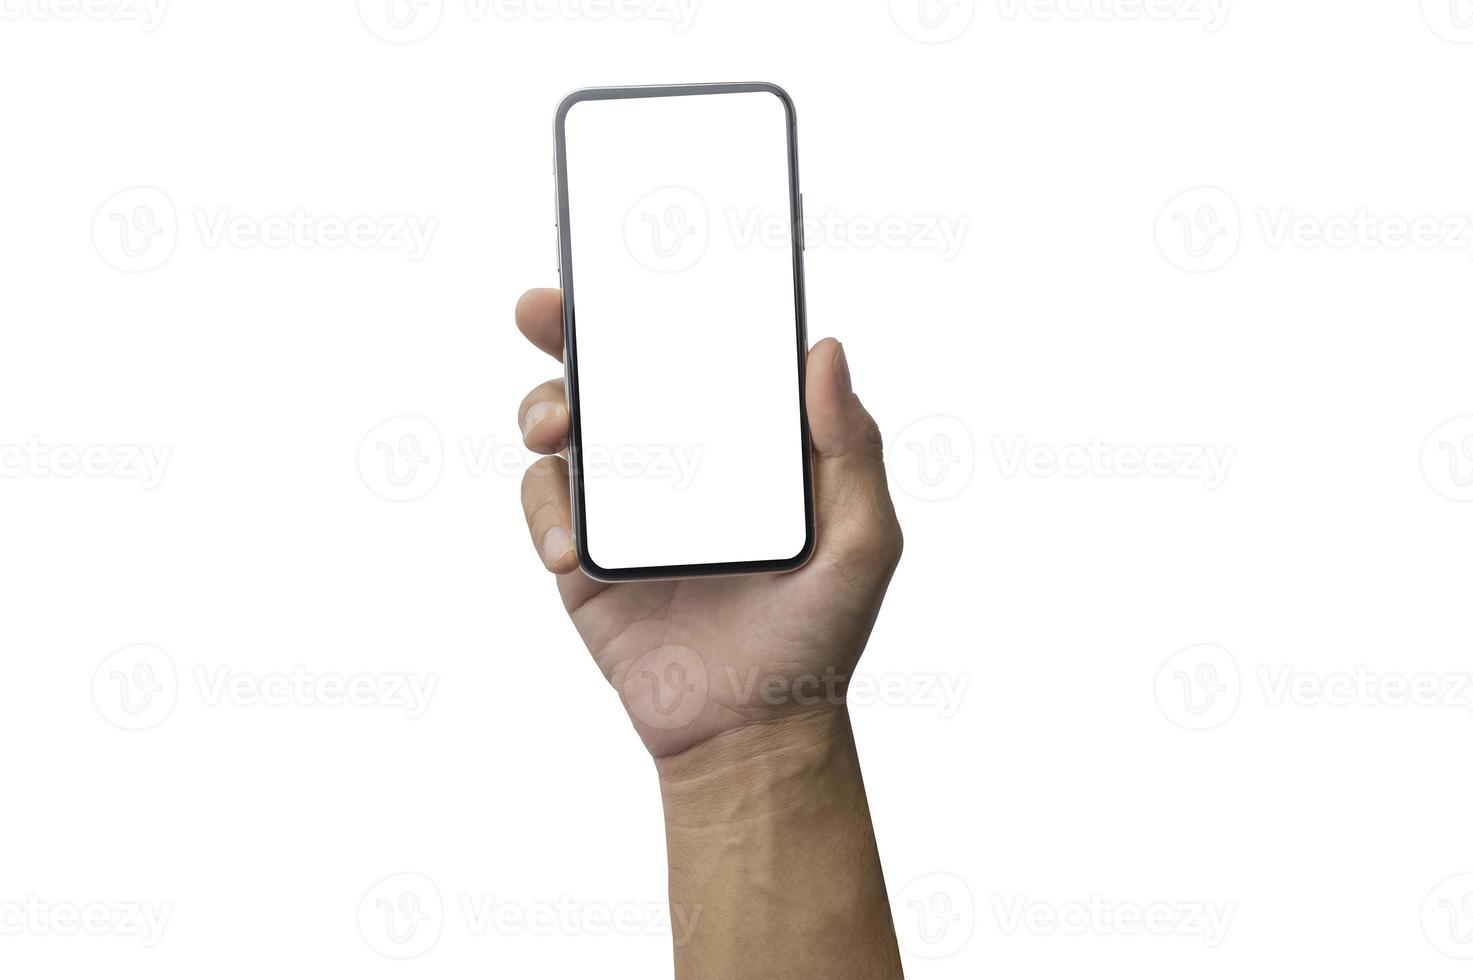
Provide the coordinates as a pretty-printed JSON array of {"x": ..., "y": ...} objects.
[{"x": 696, "y": 658}]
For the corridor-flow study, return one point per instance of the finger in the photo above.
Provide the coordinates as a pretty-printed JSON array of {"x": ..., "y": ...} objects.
[
  {"x": 855, "y": 512},
  {"x": 540, "y": 318},
  {"x": 837, "y": 421},
  {"x": 545, "y": 503},
  {"x": 543, "y": 417}
]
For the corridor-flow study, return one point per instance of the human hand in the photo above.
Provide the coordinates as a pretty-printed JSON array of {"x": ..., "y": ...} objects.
[{"x": 696, "y": 658}]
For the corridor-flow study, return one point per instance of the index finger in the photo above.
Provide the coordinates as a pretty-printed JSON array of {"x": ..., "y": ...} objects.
[{"x": 540, "y": 318}]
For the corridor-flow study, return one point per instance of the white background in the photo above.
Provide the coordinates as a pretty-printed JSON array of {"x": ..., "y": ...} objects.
[{"x": 1052, "y": 589}]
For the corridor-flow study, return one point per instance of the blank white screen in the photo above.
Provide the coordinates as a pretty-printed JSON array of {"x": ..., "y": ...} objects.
[{"x": 682, "y": 279}]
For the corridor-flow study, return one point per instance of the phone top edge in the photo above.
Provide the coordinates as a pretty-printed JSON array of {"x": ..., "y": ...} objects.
[{"x": 603, "y": 92}]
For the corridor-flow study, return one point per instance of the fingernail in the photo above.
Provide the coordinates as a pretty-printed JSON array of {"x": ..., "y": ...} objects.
[
  {"x": 556, "y": 543},
  {"x": 841, "y": 368},
  {"x": 536, "y": 414}
]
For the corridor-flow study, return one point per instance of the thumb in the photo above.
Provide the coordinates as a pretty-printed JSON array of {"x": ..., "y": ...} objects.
[
  {"x": 855, "y": 514},
  {"x": 837, "y": 421}
]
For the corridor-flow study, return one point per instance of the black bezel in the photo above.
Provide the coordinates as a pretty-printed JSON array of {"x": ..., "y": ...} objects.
[{"x": 570, "y": 356}]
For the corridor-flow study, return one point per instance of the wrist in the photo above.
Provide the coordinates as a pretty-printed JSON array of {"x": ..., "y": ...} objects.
[
  {"x": 773, "y": 857},
  {"x": 758, "y": 768}
]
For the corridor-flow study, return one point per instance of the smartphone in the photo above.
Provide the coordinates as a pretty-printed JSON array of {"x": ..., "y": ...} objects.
[{"x": 680, "y": 255}]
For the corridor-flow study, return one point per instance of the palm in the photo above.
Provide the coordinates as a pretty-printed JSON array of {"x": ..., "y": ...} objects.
[{"x": 694, "y": 658}]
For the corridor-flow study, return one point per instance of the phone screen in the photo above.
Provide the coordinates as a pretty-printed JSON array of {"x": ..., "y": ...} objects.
[{"x": 682, "y": 285}]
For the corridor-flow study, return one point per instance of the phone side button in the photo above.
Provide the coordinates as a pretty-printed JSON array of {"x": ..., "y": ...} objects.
[{"x": 802, "y": 238}]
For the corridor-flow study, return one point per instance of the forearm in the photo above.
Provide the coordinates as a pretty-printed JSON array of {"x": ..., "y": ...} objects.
[{"x": 773, "y": 858}]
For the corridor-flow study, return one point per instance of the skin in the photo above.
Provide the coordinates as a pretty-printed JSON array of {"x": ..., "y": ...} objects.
[{"x": 736, "y": 687}]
